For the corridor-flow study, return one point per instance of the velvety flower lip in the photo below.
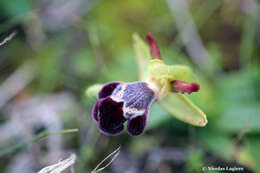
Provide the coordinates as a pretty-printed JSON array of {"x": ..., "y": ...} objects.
[
  {"x": 119, "y": 102},
  {"x": 110, "y": 116},
  {"x": 107, "y": 89},
  {"x": 136, "y": 125}
]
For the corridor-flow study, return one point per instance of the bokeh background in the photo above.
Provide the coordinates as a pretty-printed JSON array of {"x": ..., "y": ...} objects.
[{"x": 62, "y": 47}]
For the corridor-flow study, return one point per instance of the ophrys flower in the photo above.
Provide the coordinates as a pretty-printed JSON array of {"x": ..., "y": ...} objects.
[{"x": 119, "y": 102}]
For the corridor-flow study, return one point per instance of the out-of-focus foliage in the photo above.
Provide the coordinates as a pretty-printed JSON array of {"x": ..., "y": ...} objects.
[{"x": 70, "y": 45}]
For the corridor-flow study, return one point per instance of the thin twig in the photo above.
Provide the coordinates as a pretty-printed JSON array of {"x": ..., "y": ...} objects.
[
  {"x": 239, "y": 137},
  {"x": 37, "y": 138},
  {"x": 8, "y": 38},
  {"x": 242, "y": 132},
  {"x": 114, "y": 155}
]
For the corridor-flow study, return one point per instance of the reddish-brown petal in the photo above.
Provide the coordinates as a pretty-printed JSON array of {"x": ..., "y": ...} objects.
[
  {"x": 154, "y": 49},
  {"x": 184, "y": 87}
]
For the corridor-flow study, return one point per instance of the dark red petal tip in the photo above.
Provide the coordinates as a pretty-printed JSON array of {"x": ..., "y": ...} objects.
[
  {"x": 154, "y": 49},
  {"x": 195, "y": 87},
  {"x": 184, "y": 87},
  {"x": 110, "y": 116},
  {"x": 107, "y": 89},
  {"x": 136, "y": 125}
]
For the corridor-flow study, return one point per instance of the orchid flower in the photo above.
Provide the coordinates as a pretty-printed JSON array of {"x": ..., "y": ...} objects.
[{"x": 119, "y": 102}]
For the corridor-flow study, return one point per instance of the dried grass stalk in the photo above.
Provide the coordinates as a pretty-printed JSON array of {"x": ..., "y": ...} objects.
[{"x": 60, "y": 166}]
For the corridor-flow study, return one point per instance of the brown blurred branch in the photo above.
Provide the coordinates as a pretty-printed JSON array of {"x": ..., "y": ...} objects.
[
  {"x": 16, "y": 82},
  {"x": 188, "y": 32},
  {"x": 238, "y": 138}
]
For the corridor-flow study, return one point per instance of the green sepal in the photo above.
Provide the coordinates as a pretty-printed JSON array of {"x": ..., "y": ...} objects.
[
  {"x": 183, "y": 109},
  {"x": 158, "y": 70},
  {"x": 142, "y": 57},
  {"x": 92, "y": 91}
]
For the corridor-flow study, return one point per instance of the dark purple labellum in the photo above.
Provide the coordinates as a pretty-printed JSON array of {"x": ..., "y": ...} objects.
[
  {"x": 107, "y": 89},
  {"x": 119, "y": 102}
]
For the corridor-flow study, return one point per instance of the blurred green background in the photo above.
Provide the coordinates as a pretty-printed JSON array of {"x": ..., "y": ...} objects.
[{"x": 62, "y": 47}]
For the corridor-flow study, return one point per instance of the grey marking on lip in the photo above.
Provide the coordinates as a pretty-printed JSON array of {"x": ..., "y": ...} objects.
[{"x": 137, "y": 97}]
